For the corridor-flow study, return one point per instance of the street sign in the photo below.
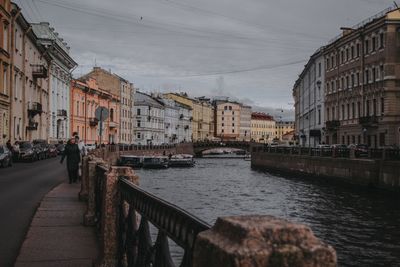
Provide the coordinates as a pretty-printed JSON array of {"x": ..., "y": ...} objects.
[{"x": 101, "y": 113}]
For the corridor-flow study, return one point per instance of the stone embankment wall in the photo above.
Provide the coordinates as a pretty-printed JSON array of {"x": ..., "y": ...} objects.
[{"x": 366, "y": 172}]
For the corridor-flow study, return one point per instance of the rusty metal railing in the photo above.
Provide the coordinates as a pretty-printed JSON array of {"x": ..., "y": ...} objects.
[{"x": 136, "y": 247}]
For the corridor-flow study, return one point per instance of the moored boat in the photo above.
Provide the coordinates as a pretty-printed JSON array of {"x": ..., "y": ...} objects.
[
  {"x": 181, "y": 160},
  {"x": 155, "y": 162},
  {"x": 131, "y": 161}
]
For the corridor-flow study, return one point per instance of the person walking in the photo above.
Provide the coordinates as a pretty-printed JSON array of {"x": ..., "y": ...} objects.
[{"x": 73, "y": 155}]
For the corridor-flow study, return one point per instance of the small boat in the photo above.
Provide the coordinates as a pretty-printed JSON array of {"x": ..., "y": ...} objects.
[
  {"x": 181, "y": 160},
  {"x": 131, "y": 161},
  {"x": 156, "y": 162}
]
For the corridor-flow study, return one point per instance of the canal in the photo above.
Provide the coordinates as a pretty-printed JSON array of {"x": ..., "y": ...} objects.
[{"x": 363, "y": 226}]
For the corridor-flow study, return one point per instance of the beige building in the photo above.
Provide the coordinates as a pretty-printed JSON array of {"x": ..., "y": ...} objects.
[
  {"x": 227, "y": 123},
  {"x": 262, "y": 127},
  {"x": 125, "y": 91},
  {"x": 282, "y": 128},
  {"x": 362, "y": 102},
  {"x": 29, "y": 82},
  {"x": 202, "y": 112},
  {"x": 5, "y": 99},
  {"x": 245, "y": 123}
]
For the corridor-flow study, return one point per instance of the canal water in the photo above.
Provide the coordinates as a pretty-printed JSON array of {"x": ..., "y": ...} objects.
[{"x": 363, "y": 226}]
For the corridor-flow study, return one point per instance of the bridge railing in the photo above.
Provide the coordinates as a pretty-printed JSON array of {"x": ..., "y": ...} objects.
[
  {"x": 123, "y": 213},
  {"x": 170, "y": 221}
]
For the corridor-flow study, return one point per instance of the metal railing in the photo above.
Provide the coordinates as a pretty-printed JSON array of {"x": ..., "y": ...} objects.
[
  {"x": 372, "y": 153},
  {"x": 136, "y": 247}
]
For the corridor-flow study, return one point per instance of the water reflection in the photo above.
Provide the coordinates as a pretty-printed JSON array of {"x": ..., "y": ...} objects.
[{"x": 361, "y": 225}]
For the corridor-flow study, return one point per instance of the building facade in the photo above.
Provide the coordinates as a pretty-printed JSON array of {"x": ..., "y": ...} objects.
[
  {"x": 86, "y": 97},
  {"x": 262, "y": 128},
  {"x": 362, "y": 83},
  {"x": 5, "y": 73},
  {"x": 184, "y": 123},
  {"x": 309, "y": 95},
  {"x": 282, "y": 128},
  {"x": 119, "y": 86},
  {"x": 149, "y": 128},
  {"x": 171, "y": 120},
  {"x": 29, "y": 82},
  {"x": 228, "y": 117},
  {"x": 245, "y": 123},
  {"x": 202, "y": 112},
  {"x": 60, "y": 80}
]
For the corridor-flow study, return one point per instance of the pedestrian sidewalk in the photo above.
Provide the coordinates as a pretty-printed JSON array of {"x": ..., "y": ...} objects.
[{"x": 56, "y": 236}]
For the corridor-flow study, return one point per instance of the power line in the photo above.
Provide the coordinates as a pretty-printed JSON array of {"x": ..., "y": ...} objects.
[{"x": 37, "y": 10}]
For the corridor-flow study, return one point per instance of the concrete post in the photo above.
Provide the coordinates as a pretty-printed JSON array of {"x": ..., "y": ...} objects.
[
  {"x": 83, "y": 194},
  {"x": 260, "y": 241},
  {"x": 352, "y": 153},
  {"x": 89, "y": 217},
  {"x": 109, "y": 221}
]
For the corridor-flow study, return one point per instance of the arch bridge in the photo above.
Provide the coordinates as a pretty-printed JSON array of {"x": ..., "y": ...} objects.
[{"x": 199, "y": 147}]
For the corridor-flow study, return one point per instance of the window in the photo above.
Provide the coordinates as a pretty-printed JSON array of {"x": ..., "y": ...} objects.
[
  {"x": 381, "y": 36},
  {"x": 328, "y": 66},
  {"x": 348, "y": 111},
  {"x": 16, "y": 43},
  {"x": 233, "y": 130},
  {"x": 230, "y": 107},
  {"x": 382, "y": 106},
  {"x": 233, "y": 125},
  {"x": 353, "y": 110},
  {"x": 366, "y": 77},
  {"x": 223, "y": 125},
  {"x": 347, "y": 82},
  {"x": 366, "y": 48},
  {"x": 342, "y": 57},
  {"x": 358, "y": 109},
  {"x": 319, "y": 116},
  {"x": 226, "y": 108},
  {"x": 358, "y": 78},
  {"x": 5, "y": 37},
  {"x": 77, "y": 109},
  {"x": 342, "y": 112},
  {"x": 381, "y": 72},
  {"x": 347, "y": 54},
  {"x": 367, "y": 108},
  {"x": 327, "y": 114},
  {"x": 373, "y": 44},
  {"x": 374, "y": 106},
  {"x": 138, "y": 112},
  {"x": 112, "y": 115},
  {"x": 5, "y": 79},
  {"x": 138, "y": 135},
  {"x": 319, "y": 69},
  {"x": 139, "y": 123},
  {"x": 352, "y": 52},
  {"x": 358, "y": 50},
  {"x": 352, "y": 80}
]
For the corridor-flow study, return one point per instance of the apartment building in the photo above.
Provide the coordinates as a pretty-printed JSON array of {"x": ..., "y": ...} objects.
[
  {"x": 262, "y": 127},
  {"x": 309, "y": 97},
  {"x": 60, "y": 80},
  {"x": 245, "y": 123},
  {"x": 227, "y": 120},
  {"x": 282, "y": 128},
  {"x": 5, "y": 73},
  {"x": 29, "y": 83},
  {"x": 362, "y": 83},
  {"x": 86, "y": 97}
]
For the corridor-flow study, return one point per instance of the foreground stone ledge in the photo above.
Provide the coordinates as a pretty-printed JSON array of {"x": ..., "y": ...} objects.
[{"x": 260, "y": 241}]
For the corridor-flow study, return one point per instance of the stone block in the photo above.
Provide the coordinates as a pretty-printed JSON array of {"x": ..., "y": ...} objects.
[{"x": 260, "y": 241}]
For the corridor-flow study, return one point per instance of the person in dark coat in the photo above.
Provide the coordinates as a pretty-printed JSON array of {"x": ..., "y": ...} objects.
[{"x": 73, "y": 155}]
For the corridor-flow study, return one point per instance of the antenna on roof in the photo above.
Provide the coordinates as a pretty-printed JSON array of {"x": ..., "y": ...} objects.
[{"x": 395, "y": 4}]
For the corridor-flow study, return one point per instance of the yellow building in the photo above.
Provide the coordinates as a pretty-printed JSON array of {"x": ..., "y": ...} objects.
[
  {"x": 282, "y": 128},
  {"x": 263, "y": 127},
  {"x": 203, "y": 115}
]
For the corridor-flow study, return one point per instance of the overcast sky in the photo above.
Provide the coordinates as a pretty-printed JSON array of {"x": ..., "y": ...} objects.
[{"x": 252, "y": 50}]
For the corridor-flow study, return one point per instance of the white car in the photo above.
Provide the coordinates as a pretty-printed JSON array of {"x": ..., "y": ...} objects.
[{"x": 90, "y": 147}]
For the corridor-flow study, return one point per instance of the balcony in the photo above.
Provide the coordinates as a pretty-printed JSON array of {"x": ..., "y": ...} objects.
[
  {"x": 62, "y": 113},
  {"x": 112, "y": 125},
  {"x": 34, "y": 109},
  {"x": 39, "y": 71},
  {"x": 368, "y": 121},
  {"x": 332, "y": 125},
  {"x": 93, "y": 122},
  {"x": 32, "y": 126}
]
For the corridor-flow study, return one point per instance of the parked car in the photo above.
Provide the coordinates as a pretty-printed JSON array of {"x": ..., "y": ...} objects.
[
  {"x": 5, "y": 156},
  {"x": 43, "y": 148},
  {"x": 27, "y": 151},
  {"x": 361, "y": 150},
  {"x": 52, "y": 151},
  {"x": 339, "y": 146},
  {"x": 40, "y": 151}
]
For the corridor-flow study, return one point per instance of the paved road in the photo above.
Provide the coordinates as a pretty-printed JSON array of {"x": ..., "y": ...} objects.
[{"x": 21, "y": 189}]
